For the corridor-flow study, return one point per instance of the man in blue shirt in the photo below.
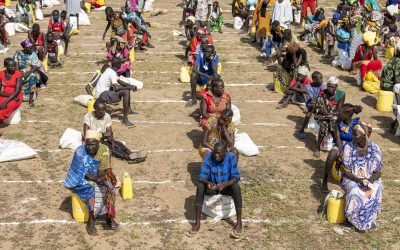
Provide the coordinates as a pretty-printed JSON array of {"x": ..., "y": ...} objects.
[
  {"x": 204, "y": 70},
  {"x": 219, "y": 175}
]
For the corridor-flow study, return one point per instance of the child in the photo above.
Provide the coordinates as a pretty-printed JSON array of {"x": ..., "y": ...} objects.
[
  {"x": 216, "y": 18},
  {"x": 296, "y": 93},
  {"x": 52, "y": 51}
]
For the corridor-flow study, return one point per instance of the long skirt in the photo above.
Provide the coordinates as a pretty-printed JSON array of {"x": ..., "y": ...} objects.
[
  {"x": 263, "y": 28},
  {"x": 216, "y": 24},
  {"x": 362, "y": 203},
  {"x": 282, "y": 79}
]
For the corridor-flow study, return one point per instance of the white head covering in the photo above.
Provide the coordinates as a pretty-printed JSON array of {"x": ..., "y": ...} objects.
[
  {"x": 333, "y": 80},
  {"x": 303, "y": 70},
  {"x": 93, "y": 134}
]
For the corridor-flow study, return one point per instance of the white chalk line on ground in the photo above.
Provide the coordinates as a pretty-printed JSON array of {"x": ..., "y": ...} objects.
[
  {"x": 170, "y": 83},
  {"x": 171, "y": 101},
  {"x": 147, "y": 72}
]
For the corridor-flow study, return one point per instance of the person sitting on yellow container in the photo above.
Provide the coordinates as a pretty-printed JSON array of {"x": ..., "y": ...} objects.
[
  {"x": 362, "y": 160},
  {"x": 343, "y": 135},
  {"x": 90, "y": 177},
  {"x": 99, "y": 120}
]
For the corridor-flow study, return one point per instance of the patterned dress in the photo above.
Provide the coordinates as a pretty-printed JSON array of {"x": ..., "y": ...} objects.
[
  {"x": 214, "y": 109},
  {"x": 390, "y": 74},
  {"x": 362, "y": 203}
]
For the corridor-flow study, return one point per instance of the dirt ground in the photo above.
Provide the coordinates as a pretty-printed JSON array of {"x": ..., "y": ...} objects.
[{"x": 280, "y": 186}]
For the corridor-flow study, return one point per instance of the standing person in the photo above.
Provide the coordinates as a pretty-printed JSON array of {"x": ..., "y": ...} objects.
[
  {"x": 73, "y": 9},
  {"x": 262, "y": 19},
  {"x": 203, "y": 12},
  {"x": 216, "y": 18},
  {"x": 305, "y": 4},
  {"x": 219, "y": 175},
  {"x": 24, "y": 12},
  {"x": 10, "y": 89},
  {"x": 330, "y": 34},
  {"x": 283, "y": 13},
  {"x": 91, "y": 178},
  {"x": 110, "y": 90},
  {"x": 363, "y": 163}
]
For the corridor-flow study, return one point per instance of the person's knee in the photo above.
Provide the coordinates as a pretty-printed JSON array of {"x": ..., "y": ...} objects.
[{"x": 236, "y": 188}]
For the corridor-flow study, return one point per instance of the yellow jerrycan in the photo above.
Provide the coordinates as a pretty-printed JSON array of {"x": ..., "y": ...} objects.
[
  {"x": 132, "y": 55},
  {"x": 7, "y": 3},
  {"x": 336, "y": 173},
  {"x": 80, "y": 210},
  {"x": 385, "y": 101},
  {"x": 390, "y": 52},
  {"x": 88, "y": 6},
  {"x": 90, "y": 105},
  {"x": 126, "y": 187},
  {"x": 335, "y": 207}
]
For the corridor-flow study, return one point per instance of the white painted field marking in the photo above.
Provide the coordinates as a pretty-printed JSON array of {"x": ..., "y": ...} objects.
[
  {"x": 172, "y": 101},
  {"x": 62, "y": 181},
  {"x": 170, "y": 83}
]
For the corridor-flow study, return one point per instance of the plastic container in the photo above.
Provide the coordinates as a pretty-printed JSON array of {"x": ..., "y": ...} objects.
[
  {"x": 132, "y": 55},
  {"x": 7, "y": 3},
  {"x": 390, "y": 51},
  {"x": 88, "y": 7},
  {"x": 185, "y": 75},
  {"x": 335, "y": 209},
  {"x": 90, "y": 105},
  {"x": 385, "y": 101},
  {"x": 219, "y": 69},
  {"x": 336, "y": 175},
  {"x": 126, "y": 187},
  {"x": 80, "y": 210}
]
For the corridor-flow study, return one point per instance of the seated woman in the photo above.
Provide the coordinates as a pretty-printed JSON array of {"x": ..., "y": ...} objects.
[
  {"x": 343, "y": 135},
  {"x": 312, "y": 25},
  {"x": 372, "y": 79},
  {"x": 99, "y": 120},
  {"x": 365, "y": 54},
  {"x": 119, "y": 49},
  {"x": 329, "y": 34},
  {"x": 216, "y": 19},
  {"x": 139, "y": 29},
  {"x": 391, "y": 72},
  {"x": 28, "y": 62},
  {"x": 362, "y": 160},
  {"x": 296, "y": 92},
  {"x": 118, "y": 25},
  {"x": 214, "y": 101},
  {"x": 287, "y": 67},
  {"x": 38, "y": 38},
  {"x": 328, "y": 103},
  {"x": 90, "y": 177},
  {"x": 219, "y": 129},
  {"x": 10, "y": 89},
  {"x": 274, "y": 40}
]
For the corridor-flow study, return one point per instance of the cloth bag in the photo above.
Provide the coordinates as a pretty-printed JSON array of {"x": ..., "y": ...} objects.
[
  {"x": 11, "y": 150},
  {"x": 83, "y": 99},
  {"x": 14, "y": 118},
  {"x": 71, "y": 139},
  {"x": 10, "y": 29},
  {"x": 218, "y": 206},
  {"x": 245, "y": 145},
  {"x": 237, "y": 23},
  {"x": 83, "y": 18},
  {"x": 236, "y": 115}
]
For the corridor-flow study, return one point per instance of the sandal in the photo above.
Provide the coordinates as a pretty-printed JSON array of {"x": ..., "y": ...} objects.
[
  {"x": 235, "y": 235},
  {"x": 137, "y": 157},
  {"x": 191, "y": 233}
]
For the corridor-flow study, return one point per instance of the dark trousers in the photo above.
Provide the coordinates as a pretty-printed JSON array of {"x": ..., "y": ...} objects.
[
  {"x": 233, "y": 191},
  {"x": 119, "y": 151}
]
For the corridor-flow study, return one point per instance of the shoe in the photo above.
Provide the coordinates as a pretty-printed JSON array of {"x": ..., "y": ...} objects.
[{"x": 42, "y": 86}]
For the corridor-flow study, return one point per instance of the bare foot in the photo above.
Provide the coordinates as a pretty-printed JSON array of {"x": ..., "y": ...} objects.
[
  {"x": 113, "y": 225},
  {"x": 131, "y": 112},
  {"x": 191, "y": 103},
  {"x": 316, "y": 154},
  {"x": 91, "y": 229},
  {"x": 127, "y": 123},
  {"x": 196, "y": 227}
]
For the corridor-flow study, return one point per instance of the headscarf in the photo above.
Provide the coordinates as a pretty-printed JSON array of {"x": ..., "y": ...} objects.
[
  {"x": 333, "y": 80},
  {"x": 26, "y": 44},
  {"x": 93, "y": 134},
  {"x": 115, "y": 40},
  {"x": 370, "y": 38},
  {"x": 303, "y": 70},
  {"x": 336, "y": 15},
  {"x": 363, "y": 128}
]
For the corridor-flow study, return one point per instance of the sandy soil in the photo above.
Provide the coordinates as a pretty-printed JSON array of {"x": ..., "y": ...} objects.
[{"x": 38, "y": 215}]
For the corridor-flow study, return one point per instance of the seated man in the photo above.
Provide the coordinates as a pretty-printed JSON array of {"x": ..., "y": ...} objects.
[
  {"x": 52, "y": 51},
  {"x": 90, "y": 177},
  {"x": 296, "y": 92},
  {"x": 219, "y": 129},
  {"x": 38, "y": 38},
  {"x": 99, "y": 120},
  {"x": 313, "y": 89},
  {"x": 190, "y": 33},
  {"x": 109, "y": 89},
  {"x": 24, "y": 12},
  {"x": 201, "y": 32},
  {"x": 219, "y": 175},
  {"x": 204, "y": 70}
]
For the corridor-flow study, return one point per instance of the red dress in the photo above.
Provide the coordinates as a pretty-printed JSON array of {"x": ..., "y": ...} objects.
[
  {"x": 8, "y": 87},
  {"x": 215, "y": 108}
]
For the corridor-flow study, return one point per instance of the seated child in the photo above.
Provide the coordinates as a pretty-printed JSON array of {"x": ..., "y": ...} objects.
[{"x": 52, "y": 51}]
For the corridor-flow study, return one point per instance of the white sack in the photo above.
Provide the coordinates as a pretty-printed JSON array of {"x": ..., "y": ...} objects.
[
  {"x": 245, "y": 145},
  {"x": 71, "y": 139},
  {"x": 219, "y": 206},
  {"x": 83, "y": 18},
  {"x": 237, "y": 23},
  {"x": 236, "y": 115},
  {"x": 83, "y": 99},
  {"x": 14, "y": 118},
  {"x": 11, "y": 150}
]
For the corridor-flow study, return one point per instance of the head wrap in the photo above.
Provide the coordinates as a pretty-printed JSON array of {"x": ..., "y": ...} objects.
[
  {"x": 370, "y": 38},
  {"x": 363, "y": 128},
  {"x": 115, "y": 40},
  {"x": 336, "y": 15},
  {"x": 93, "y": 134},
  {"x": 191, "y": 18},
  {"x": 201, "y": 31},
  {"x": 303, "y": 70},
  {"x": 26, "y": 44},
  {"x": 333, "y": 80}
]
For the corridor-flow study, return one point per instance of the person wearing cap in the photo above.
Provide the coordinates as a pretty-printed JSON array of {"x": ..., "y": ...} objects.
[
  {"x": 91, "y": 178},
  {"x": 327, "y": 105},
  {"x": 296, "y": 92}
]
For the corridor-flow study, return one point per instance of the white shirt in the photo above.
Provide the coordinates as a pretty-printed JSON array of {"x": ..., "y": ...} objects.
[
  {"x": 105, "y": 81},
  {"x": 100, "y": 125}
]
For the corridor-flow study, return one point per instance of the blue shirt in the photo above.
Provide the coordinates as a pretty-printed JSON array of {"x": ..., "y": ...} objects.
[
  {"x": 205, "y": 66},
  {"x": 217, "y": 172}
]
